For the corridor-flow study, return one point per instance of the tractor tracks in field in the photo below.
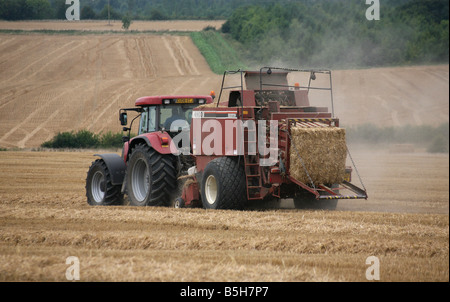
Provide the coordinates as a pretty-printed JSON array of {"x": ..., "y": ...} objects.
[
  {"x": 41, "y": 111},
  {"x": 139, "y": 55},
  {"x": 15, "y": 53},
  {"x": 12, "y": 94},
  {"x": 34, "y": 68},
  {"x": 110, "y": 102},
  {"x": 183, "y": 62},
  {"x": 145, "y": 57}
]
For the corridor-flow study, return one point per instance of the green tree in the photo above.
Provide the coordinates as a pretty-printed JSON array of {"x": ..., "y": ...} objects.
[
  {"x": 88, "y": 13},
  {"x": 126, "y": 21},
  {"x": 336, "y": 34},
  {"x": 38, "y": 9},
  {"x": 157, "y": 15},
  {"x": 59, "y": 7},
  {"x": 12, "y": 9},
  {"x": 113, "y": 14}
]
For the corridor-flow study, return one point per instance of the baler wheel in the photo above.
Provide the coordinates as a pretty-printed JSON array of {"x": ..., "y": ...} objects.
[{"x": 223, "y": 185}]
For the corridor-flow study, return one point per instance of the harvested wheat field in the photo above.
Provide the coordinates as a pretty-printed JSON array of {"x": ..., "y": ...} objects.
[
  {"x": 44, "y": 218},
  {"x": 62, "y": 82},
  {"x": 57, "y": 83}
]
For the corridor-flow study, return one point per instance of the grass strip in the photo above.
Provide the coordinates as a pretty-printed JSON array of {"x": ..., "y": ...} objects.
[{"x": 217, "y": 51}]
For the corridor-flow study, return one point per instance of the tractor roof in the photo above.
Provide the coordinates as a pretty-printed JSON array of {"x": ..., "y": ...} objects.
[{"x": 174, "y": 99}]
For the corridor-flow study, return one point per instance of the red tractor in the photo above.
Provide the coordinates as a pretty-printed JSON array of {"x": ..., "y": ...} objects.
[
  {"x": 264, "y": 142},
  {"x": 150, "y": 163}
]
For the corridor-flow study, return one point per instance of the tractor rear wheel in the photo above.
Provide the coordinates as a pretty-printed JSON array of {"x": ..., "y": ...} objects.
[
  {"x": 151, "y": 177},
  {"x": 223, "y": 185},
  {"x": 99, "y": 189}
]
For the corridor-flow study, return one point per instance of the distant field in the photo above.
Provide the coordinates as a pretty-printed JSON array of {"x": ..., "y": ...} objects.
[
  {"x": 56, "y": 83},
  {"x": 115, "y": 25},
  {"x": 62, "y": 83}
]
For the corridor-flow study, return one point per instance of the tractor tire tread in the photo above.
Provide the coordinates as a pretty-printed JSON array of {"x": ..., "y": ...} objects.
[{"x": 113, "y": 194}]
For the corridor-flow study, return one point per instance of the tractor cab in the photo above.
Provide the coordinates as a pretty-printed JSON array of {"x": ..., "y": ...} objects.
[
  {"x": 164, "y": 123},
  {"x": 171, "y": 114}
]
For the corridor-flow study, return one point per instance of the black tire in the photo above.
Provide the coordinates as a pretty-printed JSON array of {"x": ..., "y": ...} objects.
[
  {"x": 99, "y": 189},
  {"x": 307, "y": 201},
  {"x": 151, "y": 177},
  {"x": 179, "y": 203},
  {"x": 229, "y": 180}
]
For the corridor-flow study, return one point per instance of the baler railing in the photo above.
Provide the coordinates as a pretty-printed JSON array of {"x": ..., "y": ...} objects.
[
  {"x": 241, "y": 87},
  {"x": 311, "y": 77}
]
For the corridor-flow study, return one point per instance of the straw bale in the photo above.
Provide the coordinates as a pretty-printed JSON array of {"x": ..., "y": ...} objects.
[
  {"x": 210, "y": 105},
  {"x": 323, "y": 152}
]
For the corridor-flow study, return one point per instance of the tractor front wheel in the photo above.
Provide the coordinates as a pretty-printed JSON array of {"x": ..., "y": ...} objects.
[{"x": 99, "y": 189}]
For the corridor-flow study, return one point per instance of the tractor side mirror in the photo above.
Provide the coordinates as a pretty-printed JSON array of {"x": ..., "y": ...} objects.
[{"x": 123, "y": 118}]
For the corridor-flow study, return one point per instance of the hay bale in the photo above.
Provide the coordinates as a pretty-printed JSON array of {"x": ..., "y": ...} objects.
[
  {"x": 323, "y": 152},
  {"x": 210, "y": 105}
]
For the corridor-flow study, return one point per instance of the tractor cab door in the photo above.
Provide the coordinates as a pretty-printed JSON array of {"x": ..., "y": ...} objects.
[{"x": 148, "y": 120}]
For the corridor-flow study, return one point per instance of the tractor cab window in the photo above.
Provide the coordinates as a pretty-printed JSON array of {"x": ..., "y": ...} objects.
[
  {"x": 175, "y": 118},
  {"x": 148, "y": 118}
]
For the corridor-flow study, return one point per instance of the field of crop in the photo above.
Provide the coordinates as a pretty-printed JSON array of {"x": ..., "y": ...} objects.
[
  {"x": 64, "y": 82},
  {"x": 44, "y": 218},
  {"x": 57, "y": 83}
]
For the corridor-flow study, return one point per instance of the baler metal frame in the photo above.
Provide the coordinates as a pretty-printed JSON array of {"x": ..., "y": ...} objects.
[{"x": 287, "y": 118}]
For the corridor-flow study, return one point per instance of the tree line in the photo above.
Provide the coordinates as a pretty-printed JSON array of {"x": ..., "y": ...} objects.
[
  {"x": 137, "y": 9},
  {"x": 336, "y": 34},
  {"x": 305, "y": 33},
  {"x": 49, "y": 9}
]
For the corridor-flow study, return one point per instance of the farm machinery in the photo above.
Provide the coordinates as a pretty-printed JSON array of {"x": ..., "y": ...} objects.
[{"x": 264, "y": 141}]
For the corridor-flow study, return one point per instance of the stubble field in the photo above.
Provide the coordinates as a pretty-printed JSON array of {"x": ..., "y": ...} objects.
[{"x": 52, "y": 83}]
